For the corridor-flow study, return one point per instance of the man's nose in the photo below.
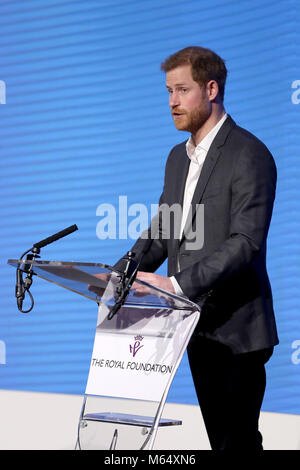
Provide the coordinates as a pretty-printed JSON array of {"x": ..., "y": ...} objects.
[{"x": 174, "y": 99}]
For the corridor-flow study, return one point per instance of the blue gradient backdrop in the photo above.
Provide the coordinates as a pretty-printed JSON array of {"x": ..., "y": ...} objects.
[{"x": 86, "y": 120}]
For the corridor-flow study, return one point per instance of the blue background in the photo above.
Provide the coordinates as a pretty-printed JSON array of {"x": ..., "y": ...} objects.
[{"x": 86, "y": 120}]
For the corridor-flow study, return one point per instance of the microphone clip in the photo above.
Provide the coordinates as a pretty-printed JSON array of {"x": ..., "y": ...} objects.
[
  {"x": 23, "y": 285},
  {"x": 127, "y": 278}
]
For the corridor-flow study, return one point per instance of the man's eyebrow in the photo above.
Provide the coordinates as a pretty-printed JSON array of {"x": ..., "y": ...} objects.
[{"x": 176, "y": 84}]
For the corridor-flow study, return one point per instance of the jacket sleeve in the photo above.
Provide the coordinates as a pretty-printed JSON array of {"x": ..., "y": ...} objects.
[{"x": 253, "y": 191}]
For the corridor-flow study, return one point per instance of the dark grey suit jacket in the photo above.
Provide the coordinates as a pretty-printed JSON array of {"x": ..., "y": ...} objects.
[{"x": 227, "y": 276}]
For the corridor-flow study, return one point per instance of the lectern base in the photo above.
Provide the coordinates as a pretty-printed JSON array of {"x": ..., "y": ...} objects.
[{"x": 133, "y": 420}]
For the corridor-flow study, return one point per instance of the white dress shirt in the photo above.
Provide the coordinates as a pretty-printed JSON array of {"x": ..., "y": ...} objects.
[{"x": 197, "y": 155}]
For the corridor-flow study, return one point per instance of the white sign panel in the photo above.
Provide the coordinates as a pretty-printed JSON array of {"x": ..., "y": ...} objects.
[
  {"x": 137, "y": 352},
  {"x": 128, "y": 366}
]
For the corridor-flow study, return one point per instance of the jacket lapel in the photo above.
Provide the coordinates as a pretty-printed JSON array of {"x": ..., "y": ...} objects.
[{"x": 180, "y": 174}]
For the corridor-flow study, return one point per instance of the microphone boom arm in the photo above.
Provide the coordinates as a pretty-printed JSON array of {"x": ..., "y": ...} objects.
[{"x": 23, "y": 286}]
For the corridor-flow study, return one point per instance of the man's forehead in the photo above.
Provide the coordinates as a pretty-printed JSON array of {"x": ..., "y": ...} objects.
[{"x": 180, "y": 75}]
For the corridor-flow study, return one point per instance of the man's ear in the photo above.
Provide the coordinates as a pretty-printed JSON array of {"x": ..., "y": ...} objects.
[{"x": 212, "y": 90}]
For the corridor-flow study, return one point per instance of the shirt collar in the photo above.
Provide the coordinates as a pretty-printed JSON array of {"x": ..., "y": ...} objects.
[{"x": 195, "y": 151}]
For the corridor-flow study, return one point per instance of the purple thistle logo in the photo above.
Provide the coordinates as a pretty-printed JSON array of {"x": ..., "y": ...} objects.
[{"x": 137, "y": 345}]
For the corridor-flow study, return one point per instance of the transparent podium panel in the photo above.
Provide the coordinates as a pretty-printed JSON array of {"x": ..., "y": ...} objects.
[
  {"x": 92, "y": 279},
  {"x": 137, "y": 349}
]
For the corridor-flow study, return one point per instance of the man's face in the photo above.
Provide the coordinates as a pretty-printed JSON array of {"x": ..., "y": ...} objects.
[{"x": 190, "y": 106}]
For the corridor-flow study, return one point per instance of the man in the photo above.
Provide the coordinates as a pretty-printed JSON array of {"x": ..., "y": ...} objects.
[{"x": 231, "y": 173}]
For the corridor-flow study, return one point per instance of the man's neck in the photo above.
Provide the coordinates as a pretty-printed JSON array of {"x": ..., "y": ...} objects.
[{"x": 211, "y": 122}]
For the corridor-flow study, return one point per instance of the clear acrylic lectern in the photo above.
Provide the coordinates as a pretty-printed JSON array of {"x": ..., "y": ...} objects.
[{"x": 135, "y": 353}]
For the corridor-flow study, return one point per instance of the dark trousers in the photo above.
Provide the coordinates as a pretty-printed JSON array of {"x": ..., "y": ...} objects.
[{"x": 230, "y": 389}]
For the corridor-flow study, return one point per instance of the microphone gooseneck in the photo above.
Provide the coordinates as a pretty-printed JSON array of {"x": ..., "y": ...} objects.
[
  {"x": 23, "y": 286},
  {"x": 127, "y": 277}
]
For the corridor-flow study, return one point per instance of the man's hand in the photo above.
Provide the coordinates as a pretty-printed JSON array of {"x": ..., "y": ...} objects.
[
  {"x": 156, "y": 280},
  {"x": 99, "y": 290}
]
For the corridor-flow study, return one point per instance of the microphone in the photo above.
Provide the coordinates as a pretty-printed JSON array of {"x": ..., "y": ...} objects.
[
  {"x": 23, "y": 286},
  {"x": 56, "y": 236},
  {"x": 19, "y": 291}
]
